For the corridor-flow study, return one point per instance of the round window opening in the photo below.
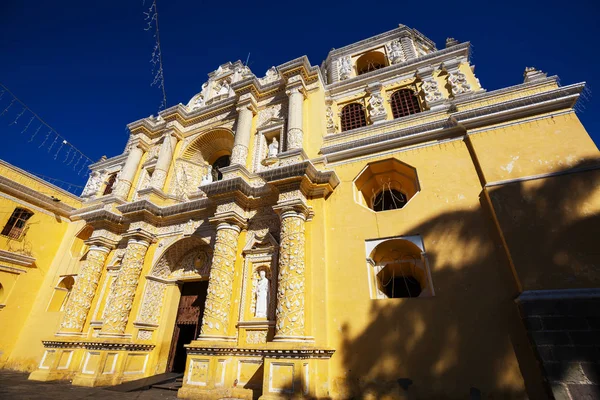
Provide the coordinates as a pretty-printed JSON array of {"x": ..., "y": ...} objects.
[{"x": 389, "y": 199}]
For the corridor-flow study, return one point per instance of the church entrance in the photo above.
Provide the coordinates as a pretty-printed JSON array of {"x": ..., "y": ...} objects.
[{"x": 187, "y": 324}]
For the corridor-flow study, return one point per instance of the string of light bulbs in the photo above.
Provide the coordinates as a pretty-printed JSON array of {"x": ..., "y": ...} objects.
[
  {"x": 72, "y": 155},
  {"x": 151, "y": 19}
]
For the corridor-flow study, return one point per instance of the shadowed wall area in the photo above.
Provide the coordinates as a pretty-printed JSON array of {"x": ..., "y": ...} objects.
[{"x": 468, "y": 340}]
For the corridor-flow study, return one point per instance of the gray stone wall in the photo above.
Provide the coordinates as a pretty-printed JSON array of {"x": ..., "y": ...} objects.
[{"x": 564, "y": 328}]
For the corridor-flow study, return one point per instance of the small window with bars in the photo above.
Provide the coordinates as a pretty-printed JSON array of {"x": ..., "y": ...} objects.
[
  {"x": 16, "y": 224},
  {"x": 353, "y": 116},
  {"x": 404, "y": 102}
]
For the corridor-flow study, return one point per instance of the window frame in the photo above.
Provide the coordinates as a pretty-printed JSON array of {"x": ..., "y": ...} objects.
[
  {"x": 404, "y": 102},
  {"x": 355, "y": 119},
  {"x": 10, "y": 229}
]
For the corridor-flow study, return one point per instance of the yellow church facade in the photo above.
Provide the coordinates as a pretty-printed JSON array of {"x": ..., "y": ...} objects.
[{"x": 377, "y": 227}]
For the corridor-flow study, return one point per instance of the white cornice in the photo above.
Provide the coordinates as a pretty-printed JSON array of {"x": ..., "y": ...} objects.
[
  {"x": 376, "y": 40},
  {"x": 15, "y": 258},
  {"x": 40, "y": 180},
  {"x": 34, "y": 197}
]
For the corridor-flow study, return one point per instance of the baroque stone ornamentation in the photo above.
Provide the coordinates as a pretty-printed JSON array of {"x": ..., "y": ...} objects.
[
  {"x": 271, "y": 76},
  {"x": 330, "y": 124},
  {"x": 125, "y": 286},
  {"x": 395, "y": 53},
  {"x": 158, "y": 178},
  {"x": 220, "y": 284},
  {"x": 290, "y": 291},
  {"x": 93, "y": 185},
  {"x": 345, "y": 67},
  {"x": 144, "y": 335},
  {"x": 275, "y": 111},
  {"x": 256, "y": 337},
  {"x": 154, "y": 294},
  {"x": 239, "y": 154},
  {"x": 80, "y": 301},
  {"x": 376, "y": 107},
  {"x": 431, "y": 90},
  {"x": 459, "y": 84}
]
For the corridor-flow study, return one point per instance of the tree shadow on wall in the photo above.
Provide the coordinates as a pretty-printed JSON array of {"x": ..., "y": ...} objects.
[{"x": 468, "y": 341}]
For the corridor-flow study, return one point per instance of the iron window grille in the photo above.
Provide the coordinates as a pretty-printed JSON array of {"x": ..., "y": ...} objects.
[
  {"x": 404, "y": 102},
  {"x": 353, "y": 116}
]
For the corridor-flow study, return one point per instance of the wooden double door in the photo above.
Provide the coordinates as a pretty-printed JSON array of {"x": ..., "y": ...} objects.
[{"x": 188, "y": 322}]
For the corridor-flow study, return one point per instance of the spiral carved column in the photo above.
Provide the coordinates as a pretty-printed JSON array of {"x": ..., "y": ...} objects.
[
  {"x": 291, "y": 281},
  {"x": 80, "y": 301},
  {"x": 215, "y": 322},
  {"x": 117, "y": 312}
]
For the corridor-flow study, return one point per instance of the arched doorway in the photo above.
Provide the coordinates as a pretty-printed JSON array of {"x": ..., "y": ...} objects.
[
  {"x": 185, "y": 264},
  {"x": 187, "y": 322}
]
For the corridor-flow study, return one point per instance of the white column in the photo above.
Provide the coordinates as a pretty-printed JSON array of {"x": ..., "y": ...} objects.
[
  {"x": 239, "y": 154},
  {"x": 295, "y": 111},
  {"x": 165, "y": 155},
  {"x": 128, "y": 172}
]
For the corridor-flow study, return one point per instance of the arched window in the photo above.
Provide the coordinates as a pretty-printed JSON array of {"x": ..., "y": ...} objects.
[
  {"x": 353, "y": 116},
  {"x": 221, "y": 162},
  {"x": 371, "y": 61},
  {"x": 15, "y": 226},
  {"x": 389, "y": 199},
  {"x": 109, "y": 184},
  {"x": 404, "y": 102},
  {"x": 61, "y": 294}
]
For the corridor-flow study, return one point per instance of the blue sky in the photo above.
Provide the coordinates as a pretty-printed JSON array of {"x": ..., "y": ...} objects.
[{"x": 84, "y": 66}]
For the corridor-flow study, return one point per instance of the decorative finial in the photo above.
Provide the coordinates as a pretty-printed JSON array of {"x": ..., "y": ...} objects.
[
  {"x": 533, "y": 74},
  {"x": 451, "y": 42}
]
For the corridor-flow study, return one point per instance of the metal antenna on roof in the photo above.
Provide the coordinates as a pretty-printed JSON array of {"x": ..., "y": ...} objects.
[{"x": 247, "y": 59}]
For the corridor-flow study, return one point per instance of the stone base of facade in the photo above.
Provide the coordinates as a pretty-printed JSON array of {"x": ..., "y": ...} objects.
[
  {"x": 190, "y": 392},
  {"x": 93, "y": 363},
  {"x": 274, "y": 371},
  {"x": 564, "y": 330}
]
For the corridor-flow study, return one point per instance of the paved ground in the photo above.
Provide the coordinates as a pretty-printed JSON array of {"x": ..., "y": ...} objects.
[{"x": 14, "y": 385}]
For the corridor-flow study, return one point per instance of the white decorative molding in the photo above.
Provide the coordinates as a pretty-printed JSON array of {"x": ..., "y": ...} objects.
[{"x": 16, "y": 258}]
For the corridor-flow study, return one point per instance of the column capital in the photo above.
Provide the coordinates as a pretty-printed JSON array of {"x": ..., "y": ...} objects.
[
  {"x": 247, "y": 102},
  {"x": 140, "y": 142},
  {"x": 229, "y": 220},
  {"x": 173, "y": 132},
  {"x": 296, "y": 88},
  {"x": 140, "y": 234},
  {"x": 103, "y": 238}
]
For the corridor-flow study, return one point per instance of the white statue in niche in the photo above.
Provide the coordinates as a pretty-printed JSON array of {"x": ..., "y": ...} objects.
[
  {"x": 262, "y": 295},
  {"x": 207, "y": 177},
  {"x": 345, "y": 67},
  {"x": 273, "y": 148},
  {"x": 395, "y": 53}
]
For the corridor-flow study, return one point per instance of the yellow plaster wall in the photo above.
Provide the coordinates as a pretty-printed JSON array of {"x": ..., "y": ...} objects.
[
  {"x": 536, "y": 147},
  {"x": 314, "y": 122},
  {"x": 551, "y": 227},
  {"x": 25, "y": 311},
  {"x": 442, "y": 342}
]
